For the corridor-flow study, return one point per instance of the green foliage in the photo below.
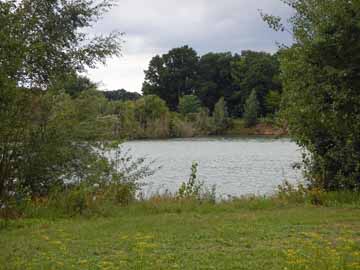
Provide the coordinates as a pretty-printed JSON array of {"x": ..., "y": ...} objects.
[
  {"x": 220, "y": 116},
  {"x": 193, "y": 186},
  {"x": 216, "y": 81},
  {"x": 74, "y": 84},
  {"x": 121, "y": 95},
  {"x": 181, "y": 72},
  {"x": 251, "y": 112},
  {"x": 172, "y": 75},
  {"x": 321, "y": 83},
  {"x": 273, "y": 101},
  {"x": 127, "y": 125},
  {"x": 189, "y": 104},
  {"x": 57, "y": 45},
  {"x": 196, "y": 189},
  {"x": 90, "y": 111},
  {"x": 203, "y": 122},
  {"x": 180, "y": 127},
  {"x": 41, "y": 143},
  {"x": 152, "y": 114},
  {"x": 257, "y": 71}
]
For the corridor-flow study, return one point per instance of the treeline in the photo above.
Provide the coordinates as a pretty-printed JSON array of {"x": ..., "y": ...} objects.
[
  {"x": 247, "y": 83},
  {"x": 121, "y": 94},
  {"x": 182, "y": 72},
  {"x": 145, "y": 117}
]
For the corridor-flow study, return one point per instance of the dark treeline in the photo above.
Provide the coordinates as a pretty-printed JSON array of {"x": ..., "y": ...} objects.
[
  {"x": 182, "y": 72},
  {"x": 121, "y": 94}
]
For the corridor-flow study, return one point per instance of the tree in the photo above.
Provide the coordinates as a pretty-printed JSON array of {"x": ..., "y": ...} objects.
[
  {"x": 189, "y": 104},
  {"x": 251, "y": 110},
  {"x": 127, "y": 125},
  {"x": 121, "y": 94},
  {"x": 273, "y": 101},
  {"x": 90, "y": 107},
  {"x": 215, "y": 79},
  {"x": 259, "y": 71},
  {"x": 172, "y": 75},
  {"x": 152, "y": 114},
  {"x": 321, "y": 102},
  {"x": 41, "y": 43},
  {"x": 44, "y": 39},
  {"x": 220, "y": 116},
  {"x": 74, "y": 84}
]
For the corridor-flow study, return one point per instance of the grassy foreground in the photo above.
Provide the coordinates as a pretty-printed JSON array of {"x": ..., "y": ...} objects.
[{"x": 188, "y": 235}]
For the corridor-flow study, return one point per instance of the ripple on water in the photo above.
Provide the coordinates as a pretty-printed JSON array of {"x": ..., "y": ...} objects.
[{"x": 237, "y": 166}]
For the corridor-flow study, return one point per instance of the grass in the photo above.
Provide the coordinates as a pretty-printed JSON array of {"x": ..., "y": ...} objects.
[{"x": 167, "y": 234}]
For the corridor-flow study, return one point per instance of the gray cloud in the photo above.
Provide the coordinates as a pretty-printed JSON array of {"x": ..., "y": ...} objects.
[{"x": 154, "y": 27}]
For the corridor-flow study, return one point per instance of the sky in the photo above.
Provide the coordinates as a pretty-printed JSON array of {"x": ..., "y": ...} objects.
[{"x": 154, "y": 27}]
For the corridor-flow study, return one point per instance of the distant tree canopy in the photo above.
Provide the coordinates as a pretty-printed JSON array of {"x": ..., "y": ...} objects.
[
  {"x": 74, "y": 84},
  {"x": 215, "y": 80},
  {"x": 172, "y": 75},
  {"x": 182, "y": 72},
  {"x": 121, "y": 94},
  {"x": 321, "y": 100},
  {"x": 257, "y": 71}
]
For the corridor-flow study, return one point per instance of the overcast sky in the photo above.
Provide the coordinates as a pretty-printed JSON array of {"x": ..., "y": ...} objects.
[{"x": 155, "y": 26}]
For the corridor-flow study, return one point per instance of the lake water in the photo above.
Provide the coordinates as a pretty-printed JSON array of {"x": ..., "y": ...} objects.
[{"x": 237, "y": 166}]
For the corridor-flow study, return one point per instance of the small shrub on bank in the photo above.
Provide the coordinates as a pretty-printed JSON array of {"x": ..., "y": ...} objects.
[{"x": 194, "y": 188}]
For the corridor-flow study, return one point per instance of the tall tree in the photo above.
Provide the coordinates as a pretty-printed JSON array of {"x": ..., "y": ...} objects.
[
  {"x": 321, "y": 88},
  {"x": 251, "y": 110},
  {"x": 259, "y": 71},
  {"x": 220, "y": 116},
  {"x": 172, "y": 75},
  {"x": 215, "y": 79}
]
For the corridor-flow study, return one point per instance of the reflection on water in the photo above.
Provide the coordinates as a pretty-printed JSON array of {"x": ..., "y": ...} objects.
[{"x": 237, "y": 166}]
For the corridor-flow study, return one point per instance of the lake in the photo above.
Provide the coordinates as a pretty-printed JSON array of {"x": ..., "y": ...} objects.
[{"x": 237, "y": 166}]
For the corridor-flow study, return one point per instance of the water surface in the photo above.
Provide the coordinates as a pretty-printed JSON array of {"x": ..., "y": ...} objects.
[{"x": 237, "y": 166}]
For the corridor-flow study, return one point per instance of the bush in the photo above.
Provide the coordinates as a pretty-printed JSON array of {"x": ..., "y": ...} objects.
[
  {"x": 195, "y": 189},
  {"x": 193, "y": 186},
  {"x": 220, "y": 117},
  {"x": 180, "y": 127},
  {"x": 189, "y": 104}
]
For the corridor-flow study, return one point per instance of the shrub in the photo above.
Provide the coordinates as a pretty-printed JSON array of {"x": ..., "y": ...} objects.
[
  {"x": 220, "y": 116},
  {"x": 189, "y": 104},
  {"x": 195, "y": 189},
  {"x": 180, "y": 127},
  {"x": 193, "y": 186},
  {"x": 251, "y": 110}
]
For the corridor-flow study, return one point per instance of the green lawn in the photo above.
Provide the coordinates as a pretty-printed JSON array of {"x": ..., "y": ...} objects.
[{"x": 203, "y": 237}]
